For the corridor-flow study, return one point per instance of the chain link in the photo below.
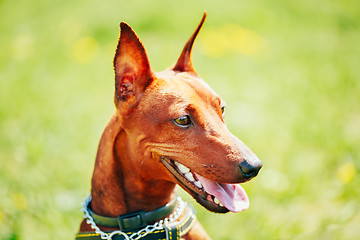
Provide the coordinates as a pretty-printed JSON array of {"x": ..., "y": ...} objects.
[{"x": 137, "y": 235}]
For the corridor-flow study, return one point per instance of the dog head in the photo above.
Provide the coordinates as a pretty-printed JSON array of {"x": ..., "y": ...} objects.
[{"x": 175, "y": 124}]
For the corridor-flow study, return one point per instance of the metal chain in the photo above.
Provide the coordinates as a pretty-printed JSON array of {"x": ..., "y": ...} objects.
[{"x": 141, "y": 233}]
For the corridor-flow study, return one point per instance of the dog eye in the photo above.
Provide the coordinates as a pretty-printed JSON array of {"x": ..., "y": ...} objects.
[
  {"x": 223, "y": 111},
  {"x": 183, "y": 121}
]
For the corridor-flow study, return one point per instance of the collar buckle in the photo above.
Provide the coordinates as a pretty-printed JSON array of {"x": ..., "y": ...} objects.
[{"x": 132, "y": 221}]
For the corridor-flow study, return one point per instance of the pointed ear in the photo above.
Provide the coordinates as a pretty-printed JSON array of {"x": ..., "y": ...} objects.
[
  {"x": 184, "y": 63},
  {"x": 131, "y": 64}
]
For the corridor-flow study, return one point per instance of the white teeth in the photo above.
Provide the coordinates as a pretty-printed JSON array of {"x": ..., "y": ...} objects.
[
  {"x": 190, "y": 177},
  {"x": 187, "y": 174},
  {"x": 217, "y": 201},
  {"x": 182, "y": 168},
  {"x": 198, "y": 184}
]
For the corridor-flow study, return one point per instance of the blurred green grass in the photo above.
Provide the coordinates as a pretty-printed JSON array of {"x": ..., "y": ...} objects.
[{"x": 288, "y": 70}]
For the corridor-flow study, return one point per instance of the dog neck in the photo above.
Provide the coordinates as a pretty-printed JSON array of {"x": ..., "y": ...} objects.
[{"x": 118, "y": 185}]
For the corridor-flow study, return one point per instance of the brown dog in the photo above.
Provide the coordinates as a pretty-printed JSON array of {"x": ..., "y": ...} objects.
[{"x": 168, "y": 129}]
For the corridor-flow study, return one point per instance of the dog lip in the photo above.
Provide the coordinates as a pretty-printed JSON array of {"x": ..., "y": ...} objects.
[{"x": 199, "y": 194}]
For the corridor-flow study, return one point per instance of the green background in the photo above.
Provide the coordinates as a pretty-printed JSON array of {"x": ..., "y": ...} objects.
[{"x": 288, "y": 70}]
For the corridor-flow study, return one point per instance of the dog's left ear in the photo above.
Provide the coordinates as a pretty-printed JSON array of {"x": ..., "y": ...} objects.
[
  {"x": 184, "y": 63},
  {"x": 131, "y": 64}
]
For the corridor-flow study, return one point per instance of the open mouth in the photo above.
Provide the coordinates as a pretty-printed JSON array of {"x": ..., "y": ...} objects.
[{"x": 214, "y": 196}]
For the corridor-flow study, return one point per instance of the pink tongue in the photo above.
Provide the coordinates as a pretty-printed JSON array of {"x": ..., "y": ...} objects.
[{"x": 232, "y": 196}]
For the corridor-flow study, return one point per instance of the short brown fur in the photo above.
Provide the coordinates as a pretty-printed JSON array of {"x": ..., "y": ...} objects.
[{"x": 128, "y": 174}]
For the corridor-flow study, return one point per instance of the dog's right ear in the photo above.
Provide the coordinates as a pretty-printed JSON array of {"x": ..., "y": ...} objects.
[
  {"x": 131, "y": 64},
  {"x": 184, "y": 63}
]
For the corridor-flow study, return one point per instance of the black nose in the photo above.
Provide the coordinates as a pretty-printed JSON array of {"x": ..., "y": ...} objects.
[{"x": 250, "y": 169}]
